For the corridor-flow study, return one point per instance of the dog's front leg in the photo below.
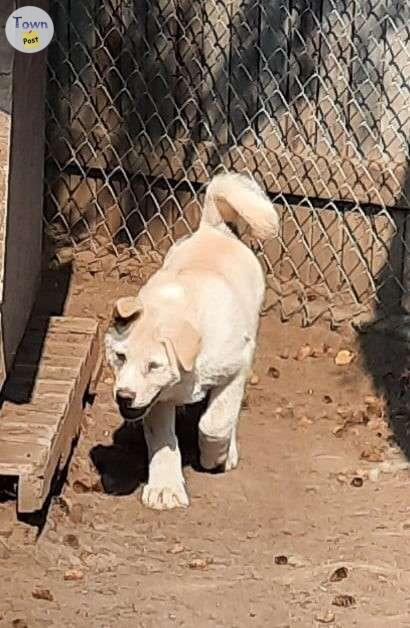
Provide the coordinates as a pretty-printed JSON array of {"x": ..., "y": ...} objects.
[
  {"x": 166, "y": 484},
  {"x": 217, "y": 427}
]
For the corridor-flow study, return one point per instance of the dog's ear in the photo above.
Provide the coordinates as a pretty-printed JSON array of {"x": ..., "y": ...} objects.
[
  {"x": 126, "y": 310},
  {"x": 182, "y": 343}
]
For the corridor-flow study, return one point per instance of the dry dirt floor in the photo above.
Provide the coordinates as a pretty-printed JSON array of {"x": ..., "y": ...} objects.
[{"x": 312, "y": 529}]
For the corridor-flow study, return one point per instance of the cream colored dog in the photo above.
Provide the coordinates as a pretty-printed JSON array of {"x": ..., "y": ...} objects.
[{"x": 191, "y": 330}]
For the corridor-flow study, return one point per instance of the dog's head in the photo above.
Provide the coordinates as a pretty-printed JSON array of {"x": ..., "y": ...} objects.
[{"x": 146, "y": 355}]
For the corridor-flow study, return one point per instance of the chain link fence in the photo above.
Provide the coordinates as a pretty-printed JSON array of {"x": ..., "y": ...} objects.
[{"x": 148, "y": 98}]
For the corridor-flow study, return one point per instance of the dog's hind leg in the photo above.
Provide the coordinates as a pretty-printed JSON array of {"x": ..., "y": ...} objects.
[
  {"x": 217, "y": 427},
  {"x": 166, "y": 484}
]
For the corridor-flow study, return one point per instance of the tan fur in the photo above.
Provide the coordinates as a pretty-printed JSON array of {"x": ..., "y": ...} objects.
[
  {"x": 232, "y": 196},
  {"x": 127, "y": 307},
  {"x": 185, "y": 342}
]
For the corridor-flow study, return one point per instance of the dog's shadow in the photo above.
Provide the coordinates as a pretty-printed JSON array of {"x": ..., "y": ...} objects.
[{"x": 123, "y": 465}]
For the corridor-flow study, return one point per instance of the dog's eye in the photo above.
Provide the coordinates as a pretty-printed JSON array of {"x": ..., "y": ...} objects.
[
  {"x": 120, "y": 357},
  {"x": 153, "y": 365}
]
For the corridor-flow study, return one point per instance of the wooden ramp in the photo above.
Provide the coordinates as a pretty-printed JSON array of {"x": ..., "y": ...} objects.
[{"x": 58, "y": 362}]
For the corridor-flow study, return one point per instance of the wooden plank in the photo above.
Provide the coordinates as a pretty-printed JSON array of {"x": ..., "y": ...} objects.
[
  {"x": 272, "y": 250},
  {"x": 133, "y": 71},
  {"x": 52, "y": 347},
  {"x": 244, "y": 73},
  {"x": 37, "y": 434},
  {"x": 25, "y": 416},
  {"x": 53, "y": 403},
  {"x": 274, "y": 68},
  {"x": 46, "y": 372},
  {"x": 40, "y": 386},
  {"x": 82, "y": 41},
  {"x": 356, "y": 255},
  {"x": 366, "y": 77},
  {"x": 326, "y": 248},
  {"x": 34, "y": 490},
  {"x": 189, "y": 70},
  {"x": 160, "y": 64},
  {"x": 42, "y": 411},
  {"x": 335, "y": 57},
  {"x": 50, "y": 360},
  {"x": 303, "y": 80},
  {"x": 325, "y": 176},
  {"x": 388, "y": 258},
  {"x": 17, "y": 459},
  {"x": 296, "y": 241},
  {"x": 41, "y": 339},
  {"x": 63, "y": 324},
  {"x": 395, "y": 115}
]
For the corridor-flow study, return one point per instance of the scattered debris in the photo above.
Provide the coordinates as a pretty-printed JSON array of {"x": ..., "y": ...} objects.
[
  {"x": 82, "y": 486},
  {"x": 76, "y": 513},
  {"x": 42, "y": 594},
  {"x": 178, "y": 548},
  {"x": 304, "y": 352},
  {"x": 342, "y": 478},
  {"x": 199, "y": 563},
  {"x": 344, "y": 357},
  {"x": 374, "y": 474},
  {"x": 4, "y": 551},
  {"x": 72, "y": 575},
  {"x": 71, "y": 540},
  {"x": 304, "y": 421},
  {"x": 284, "y": 354},
  {"x": 356, "y": 418},
  {"x": 374, "y": 405},
  {"x": 273, "y": 372},
  {"x": 254, "y": 379},
  {"x": 281, "y": 560},
  {"x": 392, "y": 466},
  {"x": 325, "y": 617},
  {"x": 324, "y": 351},
  {"x": 245, "y": 402},
  {"x": 296, "y": 561},
  {"x": 344, "y": 600},
  {"x": 339, "y": 574},
  {"x": 373, "y": 454}
]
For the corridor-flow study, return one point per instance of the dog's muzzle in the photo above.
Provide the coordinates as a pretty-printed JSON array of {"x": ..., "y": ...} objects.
[{"x": 125, "y": 399}]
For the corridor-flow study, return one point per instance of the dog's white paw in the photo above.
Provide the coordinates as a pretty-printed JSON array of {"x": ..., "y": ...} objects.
[
  {"x": 232, "y": 458},
  {"x": 161, "y": 497}
]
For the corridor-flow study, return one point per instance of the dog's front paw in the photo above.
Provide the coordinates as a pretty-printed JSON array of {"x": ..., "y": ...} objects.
[
  {"x": 232, "y": 458},
  {"x": 161, "y": 497}
]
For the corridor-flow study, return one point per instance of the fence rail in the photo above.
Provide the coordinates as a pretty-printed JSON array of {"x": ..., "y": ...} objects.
[{"x": 147, "y": 98}]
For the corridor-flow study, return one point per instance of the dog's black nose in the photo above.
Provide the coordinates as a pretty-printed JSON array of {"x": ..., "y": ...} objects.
[{"x": 125, "y": 398}]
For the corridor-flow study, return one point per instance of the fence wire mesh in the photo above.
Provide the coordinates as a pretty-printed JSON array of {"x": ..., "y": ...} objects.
[{"x": 148, "y": 98}]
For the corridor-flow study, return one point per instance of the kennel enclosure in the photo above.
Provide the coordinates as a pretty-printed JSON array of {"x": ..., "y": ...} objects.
[{"x": 148, "y": 98}]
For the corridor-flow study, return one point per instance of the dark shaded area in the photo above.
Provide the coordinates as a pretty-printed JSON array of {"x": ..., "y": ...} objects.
[
  {"x": 123, "y": 466},
  {"x": 385, "y": 344},
  {"x": 50, "y": 301},
  {"x": 126, "y": 81}
]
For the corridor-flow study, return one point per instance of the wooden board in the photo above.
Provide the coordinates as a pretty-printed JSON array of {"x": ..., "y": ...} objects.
[
  {"x": 242, "y": 80},
  {"x": 273, "y": 73},
  {"x": 335, "y": 60},
  {"x": 43, "y": 403},
  {"x": 366, "y": 79},
  {"x": 303, "y": 74}
]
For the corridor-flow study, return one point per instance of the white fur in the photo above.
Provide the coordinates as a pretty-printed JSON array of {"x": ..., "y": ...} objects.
[{"x": 201, "y": 308}]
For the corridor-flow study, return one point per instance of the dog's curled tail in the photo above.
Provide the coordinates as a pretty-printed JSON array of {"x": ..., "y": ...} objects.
[{"x": 230, "y": 196}]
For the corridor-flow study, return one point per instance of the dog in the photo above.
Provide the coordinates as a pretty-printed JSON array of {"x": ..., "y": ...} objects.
[{"x": 191, "y": 333}]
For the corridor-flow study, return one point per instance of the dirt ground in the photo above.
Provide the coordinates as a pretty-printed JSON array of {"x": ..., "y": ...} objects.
[{"x": 311, "y": 529}]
